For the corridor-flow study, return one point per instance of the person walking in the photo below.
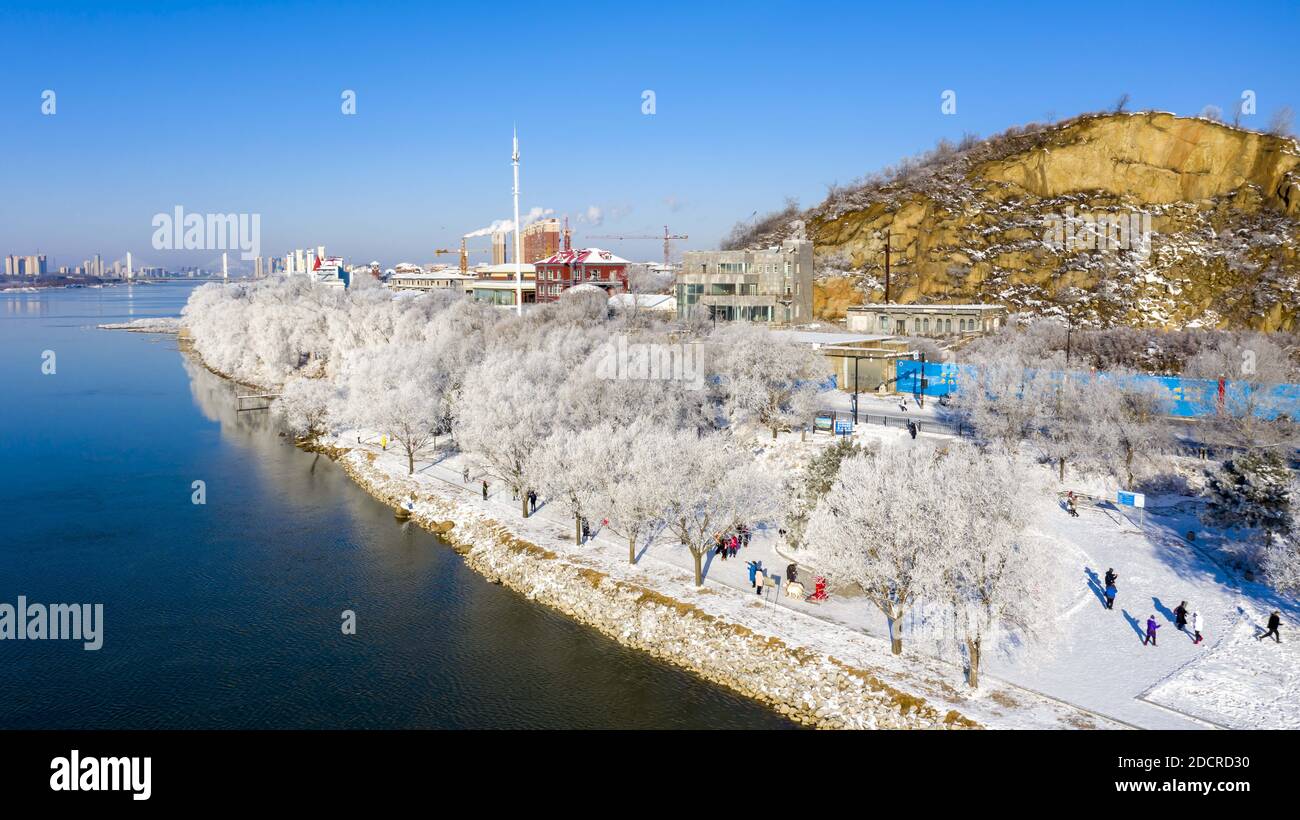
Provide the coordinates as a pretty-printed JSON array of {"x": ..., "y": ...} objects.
[
  {"x": 532, "y": 502},
  {"x": 758, "y": 589},
  {"x": 792, "y": 573},
  {"x": 1111, "y": 592},
  {"x": 1274, "y": 621},
  {"x": 1111, "y": 577},
  {"x": 464, "y": 475},
  {"x": 752, "y": 566},
  {"x": 485, "y": 489},
  {"x": 1196, "y": 627},
  {"x": 1070, "y": 505},
  {"x": 1152, "y": 626},
  {"x": 1180, "y": 617}
]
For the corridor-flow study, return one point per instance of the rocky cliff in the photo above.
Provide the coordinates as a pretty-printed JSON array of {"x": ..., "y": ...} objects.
[{"x": 1144, "y": 219}]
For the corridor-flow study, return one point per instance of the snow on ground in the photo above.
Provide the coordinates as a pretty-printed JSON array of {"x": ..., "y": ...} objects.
[{"x": 1092, "y": 672}]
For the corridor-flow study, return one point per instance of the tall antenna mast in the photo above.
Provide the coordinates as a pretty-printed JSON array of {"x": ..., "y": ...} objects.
[{"x": 519, "y": 264}]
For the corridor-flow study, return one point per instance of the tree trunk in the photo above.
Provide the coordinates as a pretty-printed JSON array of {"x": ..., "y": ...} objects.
[
  {"x": 973, "y": 650},
  {"x": 577, "y": 529},
  {"x": 1062, "y": 460},
  {"x": 523, "y": 503},
  {"x": 773, "y": 434},
  {"x": 896, "y": 634},
  {"x": 1128, "y": 465},
  {"x": 631, "y": 548},
  {"x": 699, "y": 570},
  {"x": 410, "y": 462}
]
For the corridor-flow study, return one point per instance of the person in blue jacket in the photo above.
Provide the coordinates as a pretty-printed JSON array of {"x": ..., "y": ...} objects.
[
  {"x": 1152, "y": 626},
  {"x": 1111, "y": 592},
  {"x": 753, "y": 572}
]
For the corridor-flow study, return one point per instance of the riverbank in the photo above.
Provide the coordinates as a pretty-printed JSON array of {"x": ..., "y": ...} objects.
[{"x": 811, "y": 668}]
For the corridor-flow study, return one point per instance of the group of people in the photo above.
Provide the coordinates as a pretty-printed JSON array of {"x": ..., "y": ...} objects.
[
  {"x": 727, "y": 544},
  {"x": 1183, "y": 619}
]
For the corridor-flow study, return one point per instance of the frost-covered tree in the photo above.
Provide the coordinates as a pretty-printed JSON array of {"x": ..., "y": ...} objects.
[
  {"x": 714, "y": 488},
  {"x": 505, "y": 410},
  {"x": 1129, "y": 420},
  {"x": 571, "y": 468},
  {"x": 1002, "y": 394},
  {"x": 998, "y": 579},
  {"x": 635, "y": 493},
  {"x": 397, "y": 390},
  {"x": 818, "y": 478},
  {"x": 765, "y": 380},
  {"x": 304, "y": 405},
  {"x": 1251, "y": 412},
  {"x": 881, "y": 528}
]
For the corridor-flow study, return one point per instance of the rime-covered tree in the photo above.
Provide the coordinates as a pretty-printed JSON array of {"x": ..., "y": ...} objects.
[
  {"x": 505, "y": 410},
  {"x": 571, "y": 468},
  {"x": 881, "y": 527},
  {"x": 1251, "y": 413},
  {"x": 397, "y": 390},
  {"x": 635, "y": 493},
  {"x": 304, "y": 405},
  {"x": 764, "y": 379},
  {"x": 714, "y": 488},
  {"x": 998, "y": 579}
]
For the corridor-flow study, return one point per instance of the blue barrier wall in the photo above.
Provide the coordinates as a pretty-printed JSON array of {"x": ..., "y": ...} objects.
[{"x": 1188, "y": 397}]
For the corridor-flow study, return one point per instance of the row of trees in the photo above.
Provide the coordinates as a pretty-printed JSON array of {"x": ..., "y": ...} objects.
[
  {"x": 529, "y": 399},
  {"x": 1022, "y": 393}
]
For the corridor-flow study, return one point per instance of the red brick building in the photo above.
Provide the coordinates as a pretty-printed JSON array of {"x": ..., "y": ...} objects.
[{"x": 586, "y": 266}]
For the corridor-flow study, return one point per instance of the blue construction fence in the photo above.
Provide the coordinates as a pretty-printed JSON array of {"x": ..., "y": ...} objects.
[{"x": 1188, "y": 398}]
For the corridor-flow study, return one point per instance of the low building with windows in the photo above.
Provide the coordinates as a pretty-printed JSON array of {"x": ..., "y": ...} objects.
[
  {"x": 773, "y": 285},
  {"x": 500, "y": 291},
  {"x": 448, "y": 279},
  {"x": 934, "y": 321}
]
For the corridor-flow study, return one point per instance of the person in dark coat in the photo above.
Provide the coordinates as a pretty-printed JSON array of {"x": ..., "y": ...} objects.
[
  {"x": 792, "y": 573},
  {"x": 485, "y": 489},
  {"x": 1110, "y": 593},
  {"x": 1111, "y": 577},
  {"x": 1274, "y": 621},
  {"x": 1180, "y": 616},
  {"x": 532, "y": 501},
  {"x": 1152, "y": 626}
]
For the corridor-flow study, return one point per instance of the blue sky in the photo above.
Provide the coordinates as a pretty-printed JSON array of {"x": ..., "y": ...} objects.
[{"x": 231, "y": 107}]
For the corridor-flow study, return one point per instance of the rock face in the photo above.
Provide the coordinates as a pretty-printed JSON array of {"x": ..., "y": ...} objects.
[{"x": 1053, "y": 219}]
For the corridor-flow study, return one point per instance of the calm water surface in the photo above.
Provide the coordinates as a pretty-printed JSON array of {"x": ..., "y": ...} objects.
[{"x": 226, "y": 615}]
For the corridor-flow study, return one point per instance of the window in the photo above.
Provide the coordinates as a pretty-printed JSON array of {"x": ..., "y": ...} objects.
[
  {"x": 884, "y": 322},
  {"x": 927, "y": 324},
  {"x": 947, "y": 325}
]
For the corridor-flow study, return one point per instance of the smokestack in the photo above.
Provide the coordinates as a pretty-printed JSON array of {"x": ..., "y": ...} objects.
[
  {"x": 225, "y": 271},
  {"x": 568, "y": 235},
  {"x": 129, "y": 274},
  {"x": 519, "y": 270},
  {"x": 464, "y": 257}
]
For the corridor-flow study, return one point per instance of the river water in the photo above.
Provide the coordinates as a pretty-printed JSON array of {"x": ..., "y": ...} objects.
[{"x": 227, "y": 614}]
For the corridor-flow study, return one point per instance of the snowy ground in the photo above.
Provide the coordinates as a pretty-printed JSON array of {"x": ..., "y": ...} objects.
[{"x": 1094, "y": 660}]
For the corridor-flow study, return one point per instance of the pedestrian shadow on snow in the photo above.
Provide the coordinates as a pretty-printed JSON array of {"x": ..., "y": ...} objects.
[
  {"x": 1133, "y": 622},
  {"x": 1094, "y": 584},
  {"x": 1165, "y": 612}
]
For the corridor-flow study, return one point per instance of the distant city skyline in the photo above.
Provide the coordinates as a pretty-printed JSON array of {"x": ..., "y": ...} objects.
[{"x": 250, "y": 111}]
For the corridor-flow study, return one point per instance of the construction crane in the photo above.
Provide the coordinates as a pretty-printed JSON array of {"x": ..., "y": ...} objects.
[
  {"x": 464, "y": 255},
  {"x": 667, "y": 238}
]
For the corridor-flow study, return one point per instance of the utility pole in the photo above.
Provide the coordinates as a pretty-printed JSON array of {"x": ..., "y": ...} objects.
[{"x": 886, "y": 267}]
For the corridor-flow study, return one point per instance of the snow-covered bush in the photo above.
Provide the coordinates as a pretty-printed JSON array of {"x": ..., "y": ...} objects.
[{"x": 304, "y": 405}]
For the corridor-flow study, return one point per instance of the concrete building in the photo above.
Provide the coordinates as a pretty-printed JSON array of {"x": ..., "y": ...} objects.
[
  {"x": 448, "y": 279},
  {"x": 934, "y": 321},
  {"x": 499, "y": 253},
  {"x": 541, "y": 240},
  {"x": 586, "y": 266},
  {"x": 774, "y": 285}
]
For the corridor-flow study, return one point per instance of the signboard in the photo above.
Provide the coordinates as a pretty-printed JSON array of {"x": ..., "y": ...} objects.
[
  {"x": 1131, "y": 499},
  {"x": 824, "y": 423},
  {"x": 843, "y": 427}
]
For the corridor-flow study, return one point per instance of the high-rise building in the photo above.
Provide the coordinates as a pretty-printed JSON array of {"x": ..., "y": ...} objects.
[
  {"x": 499, "y": 254},
  {"x": 541, "y": 240}
]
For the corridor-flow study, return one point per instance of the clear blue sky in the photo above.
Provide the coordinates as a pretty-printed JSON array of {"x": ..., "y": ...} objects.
[{"x": 232, "y": 107}]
